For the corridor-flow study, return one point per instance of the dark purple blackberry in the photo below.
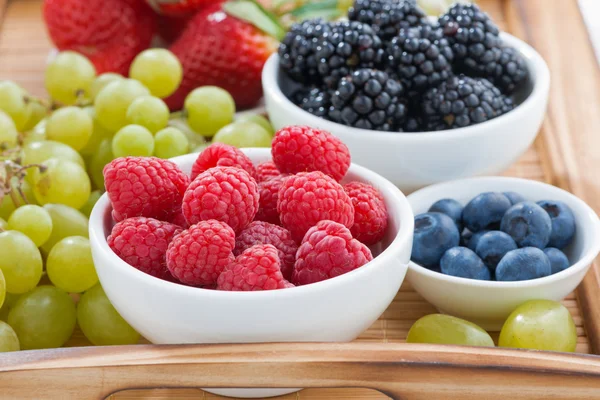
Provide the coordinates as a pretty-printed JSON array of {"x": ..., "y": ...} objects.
[
  {"x": 317, "y": 102},
  {"x": 369, "y": 99},
  {"x": 386, "y": 17},
  {"x": 509, "y": 71},
  {"x": 412, "y": 124},
  {"x": 462, "y": 101}
]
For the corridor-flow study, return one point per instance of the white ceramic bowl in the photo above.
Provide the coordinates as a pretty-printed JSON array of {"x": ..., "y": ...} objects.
[
  {"x": 415, "y": 160},
  {"x": 488, "y": 303},
  {"x": 336, "y": 310}
]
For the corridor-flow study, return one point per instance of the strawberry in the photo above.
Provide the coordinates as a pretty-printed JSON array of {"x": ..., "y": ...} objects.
[
  {"x": 170, "y": 28},
  {"x": 180, "y": 8}
]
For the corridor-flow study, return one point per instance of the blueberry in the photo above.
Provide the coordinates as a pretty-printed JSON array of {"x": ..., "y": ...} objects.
[
  {"x": 563, "y": 223},
  {"x": 434, "y": 234},
  {"x": 475, "y": 239},
  {"x": 465, "y": 236},
  {"x": 514, "y": 197},
  {"x": 492, "y": 246},
  {"x": 451, "y": 208},
  {"x": 558, "y": 259},
  {"x": 463, "y": 262},
  {"x": 523, "y": 264},
  {"x": 485, "y": 211},
  {"x": 528, "y": 224}
]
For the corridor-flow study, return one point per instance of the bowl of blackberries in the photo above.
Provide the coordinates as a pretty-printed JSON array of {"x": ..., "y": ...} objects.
[
  {"x": 482, "y": 246},
  {"x": 419, "y": 100}
]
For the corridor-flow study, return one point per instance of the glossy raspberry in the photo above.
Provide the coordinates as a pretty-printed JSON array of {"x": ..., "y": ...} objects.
[
  {"x": 266, "y": 171},
  {"x": 309, "y": 197},
  {"x": 370, "y": 213},
  {"x": 257, "y": 268},
  {"x": 222, "y": 155},
  {"x": 269, "y": 194},
  {"x": 198, "y": 255},
  {"x": 142, "y": 243},
  {"x": 328, "y": 250},
  {"x": 260, "y": 232},
  {"x": 304, "y": 149},
  {"x": 144, "y": 187},
  {"x": 226, "y": 194}
]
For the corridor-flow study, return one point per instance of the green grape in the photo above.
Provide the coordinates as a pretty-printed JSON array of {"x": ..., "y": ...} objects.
[
  {"x": 66, "y": 221},
  {"x": 96, "y": 163},
  {"x": 9, "y": 302},
  {"x": 101, "y": 82},
  {"x": 36, "y": 112},
  {"x": 539, "y": 325},
  {"x": 12, "y": 102},
  {"x": 244, "y": 134},
  {"x": 445, "y": 329},
  {"x": 33, "y": 221},
  {"x": 21, "y": 262},
  {"x": 69, "y": 77},
  {"x": 150, "y": 112},
  {"x": 8, "y": 338},
  {"x": 170, "y": 142},
  {"x": 70, "y": 266},
  {"x": 209, "y": 108},
  {"x": 194, "y": 138},
  {"x": 38, "y": 152},
  {"x": 37, "y": 134},
  {"x": 113, "y": 101},
  {"x": 159, "y": 70},
  {"x": 2, "y": 289},
  {"x": 259, "y": 120},
  {"x": 7, "y": 204},
  {"x": 8, "y": 131},
  {"x": 99, "y": 133},
  {"x": 43, "y": 318},
  {"x": 62, "y": 182},
  {"x": 90, "y": 203},
  {"x": 100, "y": 322},
  {"x": 133, "y": 140},
  {"x": 3, "y": 225},
  {"x": 71, "y": 126}
]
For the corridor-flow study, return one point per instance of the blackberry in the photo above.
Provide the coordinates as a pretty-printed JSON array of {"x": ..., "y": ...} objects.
[
  {"x": 317, "y": 102},
  {"x": 369, "y": 99},
  {"x": 412, "y": 124},
  {"x": 387, "y": 17},
  {"x": 508, "y": 71},
  {"x": 463, "y": 101}
]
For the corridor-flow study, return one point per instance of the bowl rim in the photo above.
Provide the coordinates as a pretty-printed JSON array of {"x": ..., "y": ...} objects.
[
  {"x": 584, "y": 261},
  {"x": 536, "y": 64},
  {"x": 388, "y": 190}
]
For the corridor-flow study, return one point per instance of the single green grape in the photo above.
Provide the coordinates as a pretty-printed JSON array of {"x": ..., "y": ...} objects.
[
  {"x": 150, "y": 112},
  {"x": 159, "y": 70},
  {"x": 38, "y": 152},
  {"x": 10, "y": 202},
  {"x": 194, "y": 138},
  {"x": 70, "y": 266},
  {"x": 133, "y": 140},
  {"x": 259, "y": 120},
  {"x": 96, "y": 163},
  {"x": 209, "y": 108},
  {"x": 43, "y": 318},
  {"x": 66, "y": 221},
  {"x": 101, "y": 82},
  {"x": 540, "y": 325},
  {"x": 100, "y": 322},
  {"x": 2, "y": 289},
  {"x": 71, "y": 126},
  {"x": 36, "y": 112},
  {"x": 9, "y": 302},
  {"x": 90, "y": 203},
  {"x": 8, "y": 338},
  {"x": 8, "y": 131},
  {"x": 99, "y": 133},
  {"x": 445, "y": 329},
  {"x": 69, "y": 77},
  {"x": 33, "y": 221},
  {"x": 36, "y": 134},
  {"x": 170, "y": 142},
  {"x": 61, "y": 182},
  {"x": 3, "y": 225},
  {"x": 12, "y": 102},
  {"x": 114, "y": 99},
  {"x": 244, "y": 134},
  {"x": 21, "y": 262}
]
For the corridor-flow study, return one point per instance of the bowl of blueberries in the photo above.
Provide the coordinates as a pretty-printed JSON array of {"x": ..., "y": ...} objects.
[
  {"x": 418, "y": 100},
  {"x": 482, "y": 246}
]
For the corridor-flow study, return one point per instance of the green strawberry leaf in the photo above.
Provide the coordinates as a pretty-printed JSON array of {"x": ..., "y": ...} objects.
[{"x": 252, "y": 12}]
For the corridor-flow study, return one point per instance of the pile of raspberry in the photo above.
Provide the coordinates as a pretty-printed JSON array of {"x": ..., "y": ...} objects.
[{"x": 232, "y": 225}]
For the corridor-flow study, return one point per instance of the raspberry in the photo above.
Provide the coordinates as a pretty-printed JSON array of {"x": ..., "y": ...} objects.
[
  {"x": 328, "y": 250},
  {"x": 309, "y": 197},
  {"x": 269, "y": 193},
  {"x": 142, "y": 243},
  {"x": 370, "y": 213},
  {"x": 260, "y": 232},
  {"x": 226, "y": 194},
  {"x": 303, "y": 149},
  {"x": 179, "y": 220},
  {"x": 144, "y": 187},
  {"x": 257, "y": 268},
  {"x": 197, "y": 256},
  {"x": 266, "y": 171},
  {"x": 222, "y": 155}
]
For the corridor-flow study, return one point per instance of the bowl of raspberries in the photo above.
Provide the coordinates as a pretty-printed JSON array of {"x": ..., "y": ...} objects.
[
  {"x": 482, "y": 246},
  {"x": 293, "y": 243},
  {"x": 416, "y": 99}
]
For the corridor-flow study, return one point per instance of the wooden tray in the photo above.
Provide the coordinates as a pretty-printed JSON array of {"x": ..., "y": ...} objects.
[{"x": 566, "y": 154}]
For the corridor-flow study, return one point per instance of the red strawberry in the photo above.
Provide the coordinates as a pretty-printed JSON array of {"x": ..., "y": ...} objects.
[
  {"x": 179, "y": 8},
  {"x": 170, "y": 28}
]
